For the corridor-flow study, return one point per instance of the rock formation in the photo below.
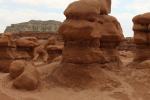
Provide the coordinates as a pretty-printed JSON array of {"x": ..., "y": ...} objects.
[
  {"x": 127, "y": 45},
  {"x": 110, "y": 38},
  {"x": 89, "y": 44},
  {"x": 25, "y": 75},
  {"x": 142, "y": 36},
  {"x": 16, "y": 68},
  {"x": 41, "y": 50},
  {"x": 34, "y": 26},
  {"x": 6, "y": 51}
]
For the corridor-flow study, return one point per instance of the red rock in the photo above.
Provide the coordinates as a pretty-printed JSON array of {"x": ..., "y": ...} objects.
[
  {"x": 114, "y": 33},
  {"x": 29, "y": 79},
  {"x": 140, "y": 37},
  {"x": 140, "y": 27},
  {"x": 105, "y": 7},
  {"x": 142, "y": 19},
  {"x": 83, "y": 30},
  {"x": 26, "y": 42},
  {"x": 16, "y": 68},
  {"x": 82, "y": 9}
]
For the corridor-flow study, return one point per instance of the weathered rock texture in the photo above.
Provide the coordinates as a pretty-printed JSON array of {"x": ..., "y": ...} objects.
[
  {"x": 34, "y": 26},
  {"x": 142, "y": 36},
  {"x": 127, "y": 45},
  {"x": 25, "y": 75},
  {"x": 88, "y": 43}
]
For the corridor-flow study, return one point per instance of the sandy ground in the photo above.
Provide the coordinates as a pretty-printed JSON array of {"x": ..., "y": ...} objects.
[{"x": 134, "y": 85}]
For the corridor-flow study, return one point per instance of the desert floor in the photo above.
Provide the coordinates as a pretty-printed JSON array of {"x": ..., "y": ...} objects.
[{"x": 134, "y": 85}]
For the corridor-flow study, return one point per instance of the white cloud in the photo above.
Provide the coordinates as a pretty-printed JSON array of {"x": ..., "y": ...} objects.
[
  {"x": 50, "y": 3},
  {"x": 8, "y": 18}
]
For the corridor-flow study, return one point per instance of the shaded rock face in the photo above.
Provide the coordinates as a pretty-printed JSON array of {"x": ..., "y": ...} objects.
[
  {"x": 34, "y": 26},
  {"x": 127, "y": 45},
  {"x": 142, "y": 36},
  {"x": 87, "y": 44}
]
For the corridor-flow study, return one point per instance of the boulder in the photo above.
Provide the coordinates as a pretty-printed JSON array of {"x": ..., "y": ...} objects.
[
  {"x": 16, "y": 68},
  {"x": 4, "y": 65},
  {"x": 29, "y": 79},
  {"x": 84, "y": 28}
]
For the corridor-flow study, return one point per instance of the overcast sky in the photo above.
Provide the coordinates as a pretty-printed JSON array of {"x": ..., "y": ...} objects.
[{"x": 16, "y": 11}]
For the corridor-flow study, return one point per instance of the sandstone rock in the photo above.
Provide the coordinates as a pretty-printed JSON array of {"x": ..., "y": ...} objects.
[
  {"x": 16, "y": 68},
  {"x": 127, "y": 44},
  {"x": 6, "y": 39},
  {"x": 5, "y": 97},
  {"x": 140, "y": 27},
  {"x": 140, "y": 37},
  {"x": 142, "y": 53},
  {"x": 4, "y": 65},
  {"x": 105, "y": 7},
  {"x": 83, "y": 56},
  {"x": 29, "y": 79},
  {"x": 57, "y": 59},
  {"x": 26, "y": 42},
  {"x": 143, "y": 65},
  {"x": 34, "y": 26},
  {"x": 142, "y": 19},
  {"x": 82, "y": 9},
  {"x": 41, "y": 50},
  {"x": 114, "y": 33}
]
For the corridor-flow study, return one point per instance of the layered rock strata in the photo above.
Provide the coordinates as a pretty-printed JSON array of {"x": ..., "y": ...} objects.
[
  {"x": 142, "y": 36},
  {"x": 87, "y": 41}
]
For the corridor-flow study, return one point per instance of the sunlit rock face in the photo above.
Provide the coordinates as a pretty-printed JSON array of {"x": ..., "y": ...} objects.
[{"x": 142, "y": 36}]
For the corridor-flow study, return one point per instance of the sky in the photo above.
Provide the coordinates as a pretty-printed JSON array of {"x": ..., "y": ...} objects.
[{"x": 16, "y": 11}]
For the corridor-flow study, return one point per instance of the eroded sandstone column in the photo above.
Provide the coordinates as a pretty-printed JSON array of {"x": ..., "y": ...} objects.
[
  {"x": 81, "y": 33},
  {"x": 142, "y": 36},
  {"x": 83, "y": 54}
]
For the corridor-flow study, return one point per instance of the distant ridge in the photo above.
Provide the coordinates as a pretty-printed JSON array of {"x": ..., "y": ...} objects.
[{"x": 34, "y": 26}]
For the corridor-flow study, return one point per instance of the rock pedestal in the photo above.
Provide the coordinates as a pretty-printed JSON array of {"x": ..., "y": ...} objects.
[
  {"x": 142, "y": 36},
  {"x": 85, "y": 32}
]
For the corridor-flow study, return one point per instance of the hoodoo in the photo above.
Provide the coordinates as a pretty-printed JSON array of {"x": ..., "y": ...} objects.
[
  {"x": 87, "y": 39},
  {"x": 142, "y": 36}
]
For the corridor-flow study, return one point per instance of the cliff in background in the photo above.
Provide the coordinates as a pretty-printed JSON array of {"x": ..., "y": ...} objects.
[{"x": 34, "y": 26}]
